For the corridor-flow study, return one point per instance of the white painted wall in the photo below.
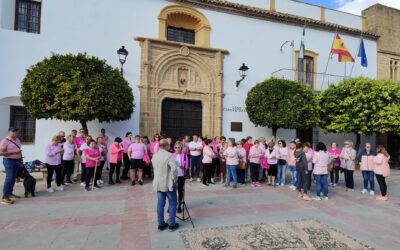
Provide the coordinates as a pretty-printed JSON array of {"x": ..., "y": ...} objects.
[
  {"x": 255, "y": 3},
  {"x": 7, "y": 14},
  {"x": 101, "y": 27},
  {"x": 298, "y": 8},
  {"x": 343, "y": 18}
]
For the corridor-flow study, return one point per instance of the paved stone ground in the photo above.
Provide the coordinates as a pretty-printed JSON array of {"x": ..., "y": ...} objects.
[{"x": 124, "y": 217}]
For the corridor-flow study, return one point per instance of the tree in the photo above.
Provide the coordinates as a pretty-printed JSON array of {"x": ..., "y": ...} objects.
[
  {"x": 361, "y": 106},
  {"x": 76, "y": 88},
  {"x": 279, "y": 103}
]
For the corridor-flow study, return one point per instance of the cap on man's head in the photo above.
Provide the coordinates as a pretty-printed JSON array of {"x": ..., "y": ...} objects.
[{"x": 12, "y": 129}]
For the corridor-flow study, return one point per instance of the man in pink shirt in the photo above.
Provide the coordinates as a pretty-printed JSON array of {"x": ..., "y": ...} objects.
[
  {"x": 136, "y": 152},
  {"x": 10, "y": 149}
]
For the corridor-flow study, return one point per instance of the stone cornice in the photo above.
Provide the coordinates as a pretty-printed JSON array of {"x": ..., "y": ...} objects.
[
  {"x": 274, "y": 16},
  {"x": 388, "y": 52},
  {"x": 177, "y": 44}
]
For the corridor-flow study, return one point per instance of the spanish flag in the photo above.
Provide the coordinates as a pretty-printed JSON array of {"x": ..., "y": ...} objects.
[{"x": 340, "y": 49}]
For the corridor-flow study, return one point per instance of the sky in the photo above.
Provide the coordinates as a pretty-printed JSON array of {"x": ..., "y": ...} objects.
[{"x": 353, "y": 6}]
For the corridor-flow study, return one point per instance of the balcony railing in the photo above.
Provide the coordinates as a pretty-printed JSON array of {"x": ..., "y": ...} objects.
[{"x": 316, "y": 81}]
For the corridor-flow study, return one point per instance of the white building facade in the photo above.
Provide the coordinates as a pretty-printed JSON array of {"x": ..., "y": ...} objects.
[{"x": 168, "y": 74}]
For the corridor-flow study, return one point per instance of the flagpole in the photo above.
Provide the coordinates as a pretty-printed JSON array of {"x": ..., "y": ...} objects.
[
  {"x": 329, "y": 58},
  {"x": 355, "y": 58},
  {"x": 345, "y": 71}
]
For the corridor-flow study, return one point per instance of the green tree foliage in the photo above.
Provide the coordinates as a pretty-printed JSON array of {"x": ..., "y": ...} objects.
[
  {"x": 76, "y": 88},
  {"x": 361, "y": 106},
  {"x": 279, "y": 103}
]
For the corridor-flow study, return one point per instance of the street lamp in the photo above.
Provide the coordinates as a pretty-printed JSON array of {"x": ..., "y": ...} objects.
[
  {"x": 122, "y": 53},
  {"x": 243, "y": 73}
]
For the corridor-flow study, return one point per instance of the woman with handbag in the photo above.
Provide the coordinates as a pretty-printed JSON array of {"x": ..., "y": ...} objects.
[{"x": 382, "y": 170}]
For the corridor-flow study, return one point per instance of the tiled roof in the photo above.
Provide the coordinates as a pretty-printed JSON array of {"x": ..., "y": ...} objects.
[{"x": 275, "y": 16}]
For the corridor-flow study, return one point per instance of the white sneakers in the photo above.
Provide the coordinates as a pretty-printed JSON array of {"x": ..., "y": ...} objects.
[
  {"x": 326, "y": 198},
  {"x": 198, "y": 180},
  {"x": 317, "y": 198},
  {"x": 364, "y": 191},
  {"x": 82, "y": 184},
  {"x": 60, "y": 188},
  {"x": 282, "y": 185},
  {"x": 50, "y": 190},
  {"x": 191, "y": 179},
  {"x": 371, "y": 192},
  {"x": 292, "y": 187}
]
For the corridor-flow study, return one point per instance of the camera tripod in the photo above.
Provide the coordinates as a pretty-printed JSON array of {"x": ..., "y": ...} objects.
[{"x": 185, "y": 208}]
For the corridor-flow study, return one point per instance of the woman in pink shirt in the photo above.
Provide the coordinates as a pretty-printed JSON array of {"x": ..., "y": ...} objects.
[
  {"x": 222, "y": 159},
  {"x": 382, "y": 170},
  {"x": 54, "y": 152},
  {"x": 102, "y": 150},
  {"x": 116, "y": 155},
  {"x": 136, "y": 152},
  {"x": 272, "y": 155},
  {"x": 215, "y": 167},
  {"x": 321, "y": 159},
  {"x": 334, "y": 152},
  {"x": 155, "y": 144},
  {"x": 292, "y": 165},
  {"x": 208, "y": 155},
  {"x": 125, "y": 144},
  {"x": 254, "y": 159},
  {"x": 68, "y": 159},
  {"x": 232, "y": 161},
  {"x": 93, "y": 157}
]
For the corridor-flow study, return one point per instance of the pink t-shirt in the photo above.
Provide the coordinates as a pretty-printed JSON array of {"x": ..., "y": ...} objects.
[
  {"x": 207, "y": 154},
  {"x": 7, "y": 145},
  {"x": 254, "y": 154},
  {"x": 78, "y": 141},
  {"x": 321, "y": 159},
  {"x": 332, "y": 153},
  {"x": 232, "y": 156},
  {"x": 92, "y": 153},
  {"x": 125, "y": 144},
  {"x": 247, "y": 147},
  {"x": 137, "y": 150}
]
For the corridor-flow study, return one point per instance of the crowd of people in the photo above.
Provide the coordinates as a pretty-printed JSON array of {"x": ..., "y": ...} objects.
[{"x": 201, "y": 159}]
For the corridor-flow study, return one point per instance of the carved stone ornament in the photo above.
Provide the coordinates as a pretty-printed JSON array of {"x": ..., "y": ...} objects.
[{"x": 185, "y": 51}]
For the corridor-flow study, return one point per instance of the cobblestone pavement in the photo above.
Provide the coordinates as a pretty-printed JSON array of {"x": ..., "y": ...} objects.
[{"x": 124, "y": 216}]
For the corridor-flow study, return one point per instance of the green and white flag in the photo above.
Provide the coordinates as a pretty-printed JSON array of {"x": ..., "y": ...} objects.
[{"x": 302, "y": 47}]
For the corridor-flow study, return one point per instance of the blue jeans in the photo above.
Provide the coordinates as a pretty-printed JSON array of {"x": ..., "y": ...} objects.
[
  {"x": 322, "y": 183},
  {"x": 368, "y": 176},
  {"x": 11, "y": 166},
  {"x": 294, "y": 175},
  {"x": 281, "y": 178},
  {"x": 171, "y": 196},
  {"x": 231, "y": 170}
]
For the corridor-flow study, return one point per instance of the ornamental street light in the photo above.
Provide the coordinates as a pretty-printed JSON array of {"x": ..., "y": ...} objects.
[
  {"x": 243, "y": 73},
  {"x": 122, "y": 53}
]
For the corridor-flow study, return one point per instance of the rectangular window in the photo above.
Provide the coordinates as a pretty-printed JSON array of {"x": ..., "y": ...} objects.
[
  {"x": 27, "y": 16},
  {"x": 20, "y": 118},
  {"x": 305, "y": 71},
  {"x": 180, "y": 35}
]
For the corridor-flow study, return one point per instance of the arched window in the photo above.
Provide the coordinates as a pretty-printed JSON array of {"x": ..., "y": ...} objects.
[{"x": 183, "y": 24}]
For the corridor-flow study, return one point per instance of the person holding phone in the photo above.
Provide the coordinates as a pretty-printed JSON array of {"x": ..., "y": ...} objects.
[{"x": 10, "y": 149}]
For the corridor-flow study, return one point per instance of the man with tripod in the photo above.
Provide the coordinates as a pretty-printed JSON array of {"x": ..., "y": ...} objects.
[{"x": 164, "y": 183}]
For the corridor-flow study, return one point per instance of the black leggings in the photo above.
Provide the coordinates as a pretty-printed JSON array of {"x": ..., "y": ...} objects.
[
  {"x": 117, "y": 168},
  {"x": 254, "y": 170},
  {"x": 207, "y": 172},
  {"x": 99, "y": 170},
  {"x": 334, "y": 174},
  {"x": 83, "y": 172},
  {"x": 215, "y": 168},
  {"x": 89, "y": 175},
  {"x": 50, "y": 170},
  {"x": 302, "y": 180},
  {"x": 181, "y": 189},
  {"x": 241, "y": 175},
  {"x": 126, "y": 166},
  {"x": 348, "y": 178},
  {"x": 67, "y": 170},
  {"x": 382, "y": 184}
]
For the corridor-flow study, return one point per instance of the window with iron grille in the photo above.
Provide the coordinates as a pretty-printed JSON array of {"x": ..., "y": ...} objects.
[
  {"x": 20, "y": 118},
  {"x": 27, "y": 16},
  {"x": 180, "y": 35}
]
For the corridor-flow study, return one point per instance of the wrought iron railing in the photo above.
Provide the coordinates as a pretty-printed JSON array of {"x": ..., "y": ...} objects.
[{"x": 316, "y": 81}]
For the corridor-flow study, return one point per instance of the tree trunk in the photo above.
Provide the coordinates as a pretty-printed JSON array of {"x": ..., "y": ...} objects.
[
  {"x": 84, "y": 126},
  {"x": 274, "y": 131},
  {"x": 358, "y": 141}
]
